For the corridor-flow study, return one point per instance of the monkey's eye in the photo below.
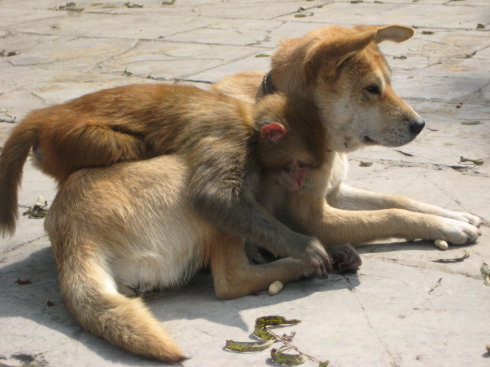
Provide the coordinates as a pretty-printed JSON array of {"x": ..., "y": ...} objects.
[
  {"x": 303, "y": 165},
  {"x": 373, "y": 89}
]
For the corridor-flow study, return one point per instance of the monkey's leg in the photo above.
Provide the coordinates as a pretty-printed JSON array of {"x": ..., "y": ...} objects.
[
  {"x": 351, "y": 198},
  {"x": 235, "y": 277}
]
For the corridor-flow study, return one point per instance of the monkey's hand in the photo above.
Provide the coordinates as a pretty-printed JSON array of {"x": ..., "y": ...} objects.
[{"x": 317, "y": 257}]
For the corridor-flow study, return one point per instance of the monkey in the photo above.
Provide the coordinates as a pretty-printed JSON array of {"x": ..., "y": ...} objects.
[{"x": 214, "y": 133}]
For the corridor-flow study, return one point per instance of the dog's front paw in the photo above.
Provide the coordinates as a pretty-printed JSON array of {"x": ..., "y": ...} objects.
[
  {"x": 457, "y": 232},
  {"x": 345, "y": 258},
  {"x": 465, "y": 217}
]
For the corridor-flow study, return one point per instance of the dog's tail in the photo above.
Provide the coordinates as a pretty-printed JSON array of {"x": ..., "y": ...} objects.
[
  {"x": 12, "y": 159},
  {"x": 92, "y": 297}
]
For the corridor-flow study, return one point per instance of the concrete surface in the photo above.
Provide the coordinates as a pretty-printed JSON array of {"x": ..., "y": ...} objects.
[{"x": 401, "y": 310}]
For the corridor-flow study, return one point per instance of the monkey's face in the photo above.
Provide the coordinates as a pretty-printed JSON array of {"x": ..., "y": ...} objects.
[{"x": 359, "y": 106}]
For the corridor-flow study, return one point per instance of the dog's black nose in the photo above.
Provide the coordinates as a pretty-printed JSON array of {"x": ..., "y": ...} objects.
[{"x": 416, "y": 126}]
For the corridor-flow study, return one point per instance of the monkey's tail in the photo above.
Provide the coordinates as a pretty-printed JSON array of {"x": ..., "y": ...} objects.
[
  {"x": 12, "y": 159},
  {"x": 92, "y": 297}
]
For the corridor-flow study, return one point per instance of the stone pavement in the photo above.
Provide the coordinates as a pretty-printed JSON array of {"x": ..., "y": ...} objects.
[{"x": 402, "y": 309}]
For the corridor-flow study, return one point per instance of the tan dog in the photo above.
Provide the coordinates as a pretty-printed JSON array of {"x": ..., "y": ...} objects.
[
  {"x": 343, "y": 72},
  {"x": 132, "y": 227}
]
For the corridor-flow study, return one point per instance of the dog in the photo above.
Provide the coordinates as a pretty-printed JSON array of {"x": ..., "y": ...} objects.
[
  {"x": 344, "y": 73},
  {"x": 131, "y": 227}
]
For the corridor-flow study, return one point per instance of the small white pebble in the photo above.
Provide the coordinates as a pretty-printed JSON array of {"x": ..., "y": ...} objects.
[
  {"x": 275, "y": 287},
  {"x": 441, "y": 244}
]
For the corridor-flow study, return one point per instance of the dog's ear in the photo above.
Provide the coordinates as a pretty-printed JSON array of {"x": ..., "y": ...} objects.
[
  {"x": 331, "y": 53},
  {"x": 395, "y": 33}
]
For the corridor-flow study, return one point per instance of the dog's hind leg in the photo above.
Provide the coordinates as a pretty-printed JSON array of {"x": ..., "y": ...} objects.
[
  {"x": 91, "y": 295},
  {"x": 234, "y": 276}
]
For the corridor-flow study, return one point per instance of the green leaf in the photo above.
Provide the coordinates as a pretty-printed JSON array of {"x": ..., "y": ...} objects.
[
  {"x": 241, "y": 347},
  {"x": 275, "y": 321},
  {"x": 286, "y": 358}
]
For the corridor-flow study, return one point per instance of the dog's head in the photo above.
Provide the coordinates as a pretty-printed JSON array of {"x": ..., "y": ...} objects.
[{"x": 344, "y": 72}]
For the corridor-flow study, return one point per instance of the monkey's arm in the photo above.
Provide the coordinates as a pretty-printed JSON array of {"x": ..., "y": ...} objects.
[{"x": 219, "y": 193}]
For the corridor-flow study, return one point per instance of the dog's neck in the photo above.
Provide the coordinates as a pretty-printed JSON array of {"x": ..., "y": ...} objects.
[{"x": 267, "y": 86}]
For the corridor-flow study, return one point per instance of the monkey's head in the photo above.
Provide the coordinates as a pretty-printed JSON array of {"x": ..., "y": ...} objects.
[{"x": 284, "y": 150}]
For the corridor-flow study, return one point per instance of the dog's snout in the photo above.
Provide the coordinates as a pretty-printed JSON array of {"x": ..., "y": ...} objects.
[{"x": 416, "y": 126}]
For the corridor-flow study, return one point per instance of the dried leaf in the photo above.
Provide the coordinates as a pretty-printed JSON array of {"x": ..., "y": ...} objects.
[
  {"x": 288, "y": 359},
  {"x": 485, "y": 271},
  {"x": 168, "y": 2},
  {"x": 470, "y": 123},
  {"x": 241, "y": 347},
  {"x": 70, "y": 6},
  {"x": 365, "y": 164},
  {"x": 39, "y": 210},
  {"x": 304, "y": 15},
  {"x": 132, "y": 5},
  {"x": 478, "y": 162},
  {"x": 9, "y": 120},
  {"x": 469, "y": 56},
  {"x": 454, "y": 260},
  {"x": 404, "y": 153},
  {"x": 480, "y": 26},
  {"x": 324, "y": 364},
  {"x": 5, "y": 53},
  {"x": 427, "y": 32}
]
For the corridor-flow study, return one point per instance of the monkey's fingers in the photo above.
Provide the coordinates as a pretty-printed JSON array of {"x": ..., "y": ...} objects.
[{"x": 316, "y": 256}]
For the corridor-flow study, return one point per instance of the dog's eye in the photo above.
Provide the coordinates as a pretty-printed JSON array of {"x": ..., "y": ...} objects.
[{"x": 373, "y": 89}]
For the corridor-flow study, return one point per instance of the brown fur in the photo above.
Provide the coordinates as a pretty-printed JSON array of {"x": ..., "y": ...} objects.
[{"x": 101, "y": 129}]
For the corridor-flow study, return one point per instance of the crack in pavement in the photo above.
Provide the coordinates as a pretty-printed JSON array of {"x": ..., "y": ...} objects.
[{"x": 394, "y": 357}]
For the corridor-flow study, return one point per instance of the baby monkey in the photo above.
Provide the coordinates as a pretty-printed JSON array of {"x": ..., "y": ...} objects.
[{"x": 288, "y": 155}]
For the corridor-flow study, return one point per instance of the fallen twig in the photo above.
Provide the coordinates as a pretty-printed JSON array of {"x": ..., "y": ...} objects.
[{"x": 454, "y": 260}]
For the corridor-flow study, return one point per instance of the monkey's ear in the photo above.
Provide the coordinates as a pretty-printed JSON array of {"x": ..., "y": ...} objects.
[{"x": 273, "y": 131}]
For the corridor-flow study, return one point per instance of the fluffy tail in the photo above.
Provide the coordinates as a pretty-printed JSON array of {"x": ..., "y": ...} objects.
[
  {"x": 92, "y": 297},
  {"x": 12, "y": 159}
]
